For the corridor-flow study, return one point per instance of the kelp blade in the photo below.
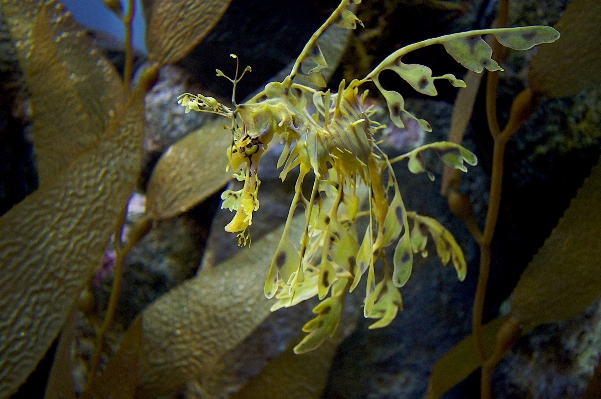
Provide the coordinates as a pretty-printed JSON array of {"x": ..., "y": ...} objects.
[
  {"x": 188, "y": 330},
  {"x": 460, "y": 361},
  {"x": 572, "y": 63},
  {"x": 189, "y": 171},
  {"x": 563, "y": 278},
  {"x": 74, "y": 90},
  {"x": 51, "y": 241},
  {"x": 175, "y": 27}
]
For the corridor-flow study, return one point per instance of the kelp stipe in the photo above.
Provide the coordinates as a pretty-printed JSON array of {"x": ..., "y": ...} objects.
[{"x": 332, "y": 135}]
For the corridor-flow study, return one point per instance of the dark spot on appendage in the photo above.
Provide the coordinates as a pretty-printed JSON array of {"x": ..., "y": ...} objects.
[
  {"x": 325, "y": 310},
  {"x": 315, "y": 50},
  {"x": 529, "y": 35},
  {"x": 422, "y": 83},
  {"x": 319, "y": 324},
  {"x": 280, "y": 260},
  {"x": 362, "y": 266},
  {"x": 396, "y": 303},
  {"x": 285, "y": 91},
  {"x": 398, "y": 212},
  {"x": 327, "y": 220},
  {"x": 405, "y": 257},
  {"x": 423, "y": 229},
  {"x": 396, "y": 109},
  {"x": 484, "y": 62},
  {"x": 471, "y": 42},
  {"x": 352, "y": 261},
  {"x": 442, "y": 153},
  {"x": 325, "y": 280}
]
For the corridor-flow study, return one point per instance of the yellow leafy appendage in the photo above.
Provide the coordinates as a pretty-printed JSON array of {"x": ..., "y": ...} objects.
[{"x": 332, "y": 135}]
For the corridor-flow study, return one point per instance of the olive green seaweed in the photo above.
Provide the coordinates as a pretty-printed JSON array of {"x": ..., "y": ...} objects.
[
  {"x": 190, "y": 328},
  {"x": 181, "y": 24},
  {"x": 65, "y": 76},
  {"x": 67, "y": 221}
]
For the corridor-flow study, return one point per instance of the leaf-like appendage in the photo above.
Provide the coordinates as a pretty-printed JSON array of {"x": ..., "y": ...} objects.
[
  {"x": 370, "y": 291},
  {"x": 454, "y": 155},
  {"x": 446, "y": 246},
  {"x": 189, "y": 171},
  {"x": 460, "y": 118},
  {"x": 332, "y": 44},
  {"x": 387, "y": 306},
  {"x": 403, "y": 260},
  {"x": 563, "y": 278},
  {"x": 395, "y": 218},
  {"x": 51, "y": 242},
  {"x": 396, "y": 107},
  {"x": 419, "y": 238},
  {"x": 364, "y": 259},
  {"x": 451, "y": 154},
  {"x": 421, "y": 79},
  {"x": 327, "y": 277},
  {"x": 348, "y": 20},
  {"x": 345, "y": 251},
  {"x": 417, "y": 164},
  {"x": 473, "y": 53},
  {"x": 315, "y": 78},
  {"x": 467, "y": 48},
  {"x": 526, "y": 37},
  {"x": 318, "y": 58},
  {"x": 302, "y": 291},
  {"x": 284, "y": 263},
  {"x": 175, "y": 27},
  {"x": 74, "y": 89},
  {"x": 327, "y": 320}
]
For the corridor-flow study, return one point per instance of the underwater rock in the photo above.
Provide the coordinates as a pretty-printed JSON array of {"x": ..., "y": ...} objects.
[{"x": 552, "y": 361}]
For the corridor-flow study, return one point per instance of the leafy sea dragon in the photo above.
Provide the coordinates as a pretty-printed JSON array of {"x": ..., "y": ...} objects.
[{"x": 332, "y": 135}]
